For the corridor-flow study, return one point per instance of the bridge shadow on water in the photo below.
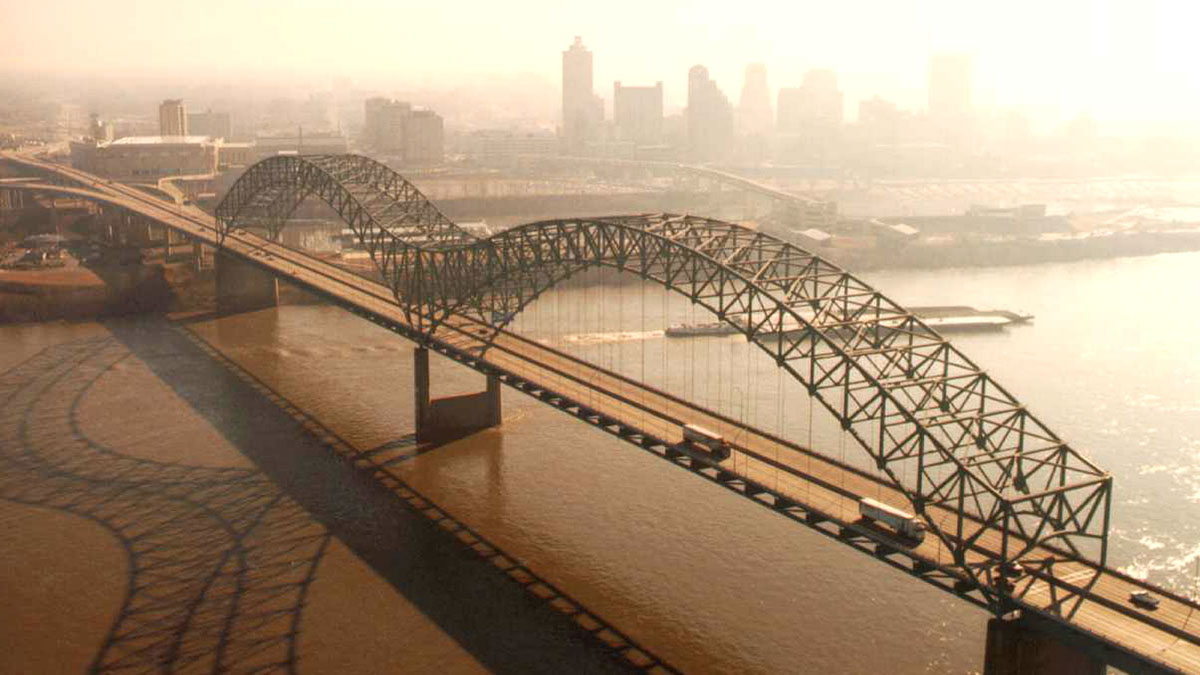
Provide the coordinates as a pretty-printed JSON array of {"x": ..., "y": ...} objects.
[{"x": 221, "y": 559}]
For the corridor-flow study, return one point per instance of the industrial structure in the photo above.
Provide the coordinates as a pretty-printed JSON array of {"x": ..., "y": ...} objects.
[{"x": 147, "y": 158}]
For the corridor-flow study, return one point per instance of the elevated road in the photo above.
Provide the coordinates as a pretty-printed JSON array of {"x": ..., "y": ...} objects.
[
  {"x": 1085, "y": 600},
  {"x": 703, "y": 171}
]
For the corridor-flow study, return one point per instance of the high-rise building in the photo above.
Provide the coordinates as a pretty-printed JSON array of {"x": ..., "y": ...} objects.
[
  {"x": 172, "y": 118},
  {"x": 813, "y": 107},
  {"x": 638, "y": 113},
  {"x": 99, "y": 130},
  {"x": 791, "y": 110},
  {"x": 709, "y": 117},
  {"x": 809, "y": 118},
  {"x": 582, "y": 110},
  {"x": 879, "y": 121},
  {"x": 950, "y": 112},
  {"x": 394, "y": 127},
  {"x": 754, "y": 107},
  {"x": 950, "y": 77},
  {"x": 423, "y": 138},
  {"x": 209, "y": 123},
  {"x": 383, "y": 124},
  {"x": 319, "y": 111}
]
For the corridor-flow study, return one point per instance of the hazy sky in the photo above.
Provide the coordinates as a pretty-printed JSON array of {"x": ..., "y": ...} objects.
[{"x": 1117, "y": 59}]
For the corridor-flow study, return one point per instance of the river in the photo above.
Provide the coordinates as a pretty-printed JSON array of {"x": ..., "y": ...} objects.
[{"x": 692, "y": 573}]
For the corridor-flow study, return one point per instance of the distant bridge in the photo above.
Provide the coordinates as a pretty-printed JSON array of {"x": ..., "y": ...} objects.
[
  {"x": 991, "y": 482},
  {"x": 724, "y": 177}
]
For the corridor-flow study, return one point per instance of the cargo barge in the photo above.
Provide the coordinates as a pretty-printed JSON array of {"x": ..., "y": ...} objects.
[{"x": 942, "y": 318}]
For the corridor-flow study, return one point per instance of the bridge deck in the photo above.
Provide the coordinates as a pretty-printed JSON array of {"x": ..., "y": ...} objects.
[{"x": 1092, "y": 600}]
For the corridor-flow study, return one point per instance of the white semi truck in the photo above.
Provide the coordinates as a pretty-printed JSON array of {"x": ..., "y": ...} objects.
[
  {"x": 708, "y": 442},
  {"x": 905, "y": 524}
]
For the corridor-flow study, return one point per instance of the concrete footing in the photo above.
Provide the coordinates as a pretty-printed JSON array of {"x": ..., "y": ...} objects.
[
  {"x": 243, "y": 287},
  {"x": 453, "y": 416},
  {"x": 1014, "y": 648}
]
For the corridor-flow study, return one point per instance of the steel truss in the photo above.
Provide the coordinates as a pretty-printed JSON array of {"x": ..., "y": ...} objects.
[{"x": 936, "y": 425}]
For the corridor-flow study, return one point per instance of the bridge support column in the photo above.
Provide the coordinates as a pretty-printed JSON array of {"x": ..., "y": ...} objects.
[
  {"x": 452, "y": 416},
  {"x": 243, "y": 287},
  {"x": 1016, "y": 648}
]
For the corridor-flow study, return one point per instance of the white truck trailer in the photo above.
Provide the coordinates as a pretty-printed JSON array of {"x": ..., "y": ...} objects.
[
  {"x": 905, "y": 524},
  {"x": 708, "y": 442}
]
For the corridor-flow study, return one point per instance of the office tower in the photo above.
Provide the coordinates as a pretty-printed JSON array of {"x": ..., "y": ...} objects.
[
  {"x": 395, "y": 128},
  {"x": 709, "y": 117},
  {"x": 754, "y": 107},
  {"x": 423, "y": 138},
  {"x": 209, "y": 123},
  {"x": 99, "y": 130},
  {"x": 638, "y": 113},
  {"x": 813, "y": 107},
  {"x": 879, "y": 121},
  {"x": 172, "y": 118},
  {"x": 383, "y": 124},
  {"x": 582, "y": 110},
  {"x": 950, "y": 110}
]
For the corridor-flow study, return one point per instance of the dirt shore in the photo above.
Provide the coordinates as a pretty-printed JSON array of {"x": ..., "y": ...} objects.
[{"x": 78, "y": 292}]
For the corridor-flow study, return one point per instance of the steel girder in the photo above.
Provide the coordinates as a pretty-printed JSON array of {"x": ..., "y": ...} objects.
[
  {"x": 378, "y": 203},
  {"x": 935, "y": 424}
]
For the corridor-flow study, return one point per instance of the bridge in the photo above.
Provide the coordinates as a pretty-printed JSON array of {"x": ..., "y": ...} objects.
[
  {"x": 725, "y": 177},
  {"x": 992, "y": 484}
]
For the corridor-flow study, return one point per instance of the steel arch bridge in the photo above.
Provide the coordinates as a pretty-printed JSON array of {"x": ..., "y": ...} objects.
[{"x": 934, "y": 423}]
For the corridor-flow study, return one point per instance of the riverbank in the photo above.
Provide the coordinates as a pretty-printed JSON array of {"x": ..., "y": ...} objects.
[
  {"x": 1012, "y": 252},
  {"x": 78, "y": 293}
]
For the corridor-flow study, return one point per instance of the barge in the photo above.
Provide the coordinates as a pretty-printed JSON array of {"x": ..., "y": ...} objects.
[{"x": 942, "y": 318}]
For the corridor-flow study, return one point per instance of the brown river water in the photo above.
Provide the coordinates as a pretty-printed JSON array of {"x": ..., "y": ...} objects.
[{"x": 244, "y": 492}]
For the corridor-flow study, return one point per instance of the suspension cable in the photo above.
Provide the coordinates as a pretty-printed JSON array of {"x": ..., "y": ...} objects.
[{"x": 642, "y": 342}]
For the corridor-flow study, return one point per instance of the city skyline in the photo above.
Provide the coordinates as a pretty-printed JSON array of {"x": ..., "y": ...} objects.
[{"x": 1115, "y": 61}]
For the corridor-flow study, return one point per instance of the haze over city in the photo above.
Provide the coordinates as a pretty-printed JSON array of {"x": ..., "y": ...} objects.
[
  {"x": 611, "y": 337},
  {"x": 1124, "y": 62}
]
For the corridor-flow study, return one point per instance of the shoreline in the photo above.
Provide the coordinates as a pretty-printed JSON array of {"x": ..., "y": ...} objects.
[
  {"x": 89, "y": 294},
  {"x": 78, "y": 293},
  {"x": 1017, "y": 253},
  {"x": 85, "y": 293}
]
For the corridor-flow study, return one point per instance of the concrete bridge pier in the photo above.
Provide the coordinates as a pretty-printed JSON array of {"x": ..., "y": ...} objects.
[
  {"x": 243, "y": 287},
  {"x": 453, "y": 416},
  {"x": 1014, "y": 647}
]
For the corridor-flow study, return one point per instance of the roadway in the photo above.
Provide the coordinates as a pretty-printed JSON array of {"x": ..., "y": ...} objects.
[
  {"x": 704, "y": 171},
  {"x": 1090, "y": 599}
]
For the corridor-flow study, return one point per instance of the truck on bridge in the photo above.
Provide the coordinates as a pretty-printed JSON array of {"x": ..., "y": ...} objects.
[
  {"x": 712, "y": 444},
  {"x": 905, "y": 524}
]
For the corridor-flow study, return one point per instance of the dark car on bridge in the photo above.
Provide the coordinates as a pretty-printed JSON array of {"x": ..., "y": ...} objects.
[{"x": 1144, "y": 600}]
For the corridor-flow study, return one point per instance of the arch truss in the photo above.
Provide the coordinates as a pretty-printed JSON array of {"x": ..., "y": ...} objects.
[{"x": 990, "y": 479}]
